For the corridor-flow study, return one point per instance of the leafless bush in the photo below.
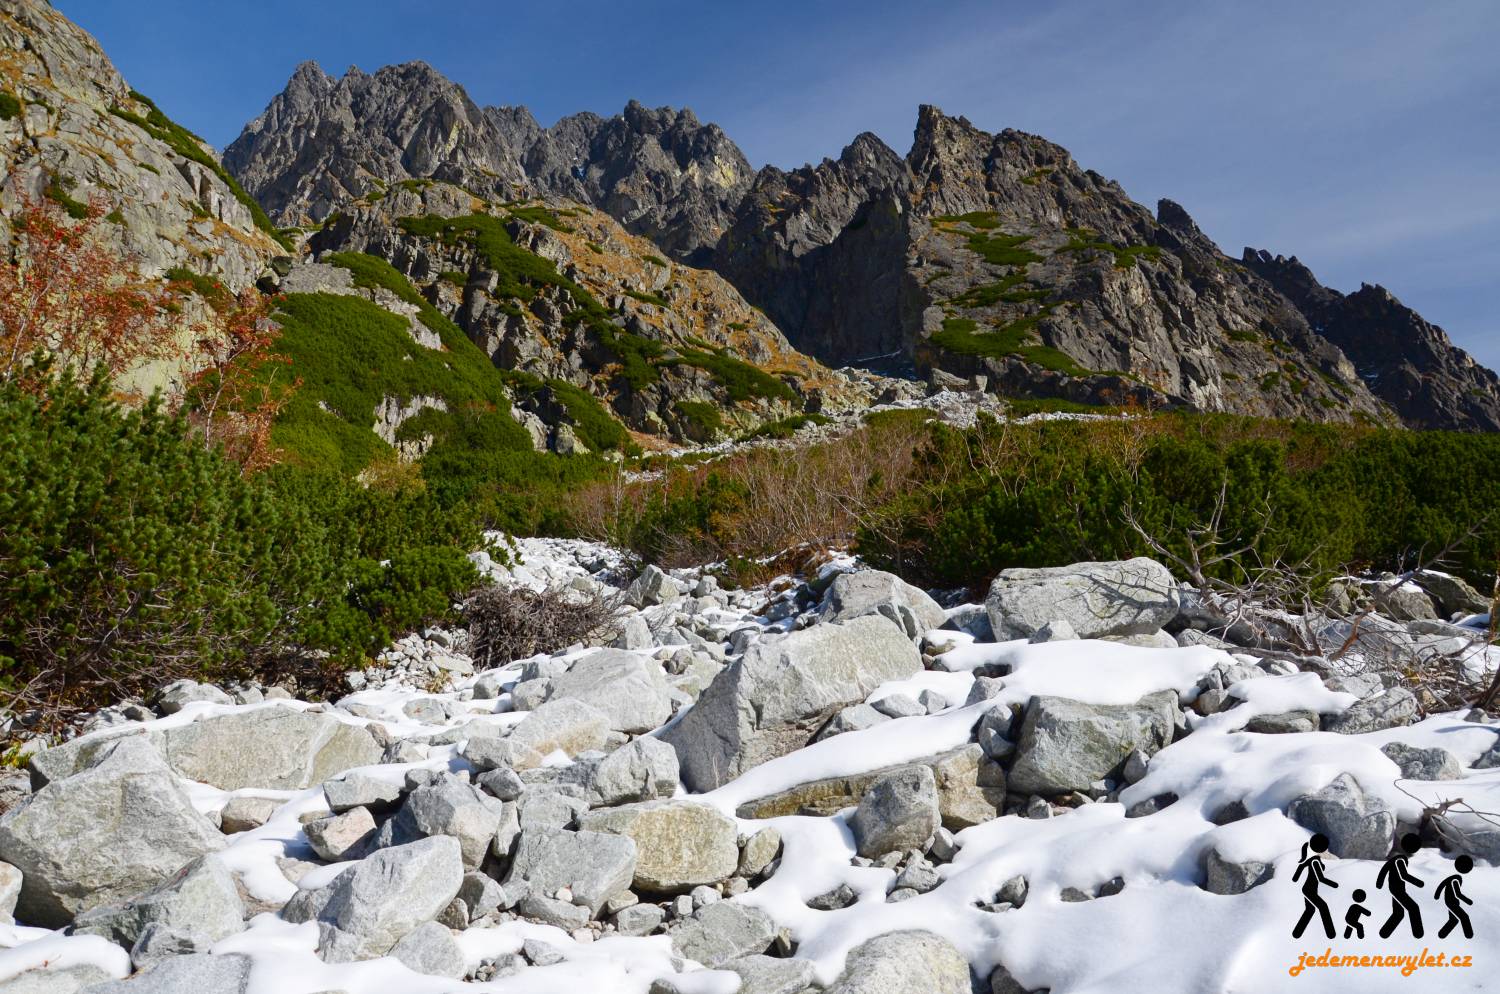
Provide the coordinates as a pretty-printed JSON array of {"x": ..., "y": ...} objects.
[{"x": 511, "y": 622}]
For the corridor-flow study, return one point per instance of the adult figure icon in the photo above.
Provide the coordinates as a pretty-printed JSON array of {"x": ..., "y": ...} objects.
[
  {"x": 1394, "y": 877},
  {"x": 1310, "y": 868},
  {"x": 1450, "y": 892}
]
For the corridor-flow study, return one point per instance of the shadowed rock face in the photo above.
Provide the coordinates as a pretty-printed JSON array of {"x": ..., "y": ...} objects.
[{"x": 903, "y": 264}]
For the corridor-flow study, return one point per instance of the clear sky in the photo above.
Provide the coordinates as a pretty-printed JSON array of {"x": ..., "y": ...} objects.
[{"x": 1361, "y": 135}]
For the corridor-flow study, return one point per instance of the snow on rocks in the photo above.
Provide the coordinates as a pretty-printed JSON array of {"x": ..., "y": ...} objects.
[{"x": 894, "y": 802}]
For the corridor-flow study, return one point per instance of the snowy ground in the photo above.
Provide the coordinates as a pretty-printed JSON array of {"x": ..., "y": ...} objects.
[{"x": 1162, "y": 932}]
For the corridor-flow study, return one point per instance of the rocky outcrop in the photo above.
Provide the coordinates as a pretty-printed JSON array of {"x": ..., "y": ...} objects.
[
  {"x": 1405, "y": 360},
  {"x": 994, "y": 259},
  {"x": 80, "y": 133}
]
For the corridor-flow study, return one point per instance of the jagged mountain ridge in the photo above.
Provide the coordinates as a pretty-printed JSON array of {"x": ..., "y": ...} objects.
[{"x": 853, "y": 258}]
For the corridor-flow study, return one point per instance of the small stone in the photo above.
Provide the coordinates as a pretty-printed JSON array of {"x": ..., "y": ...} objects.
[
  {"x": 1224, "y": 876},
  {"x": 639, "y": 919},
  {"x": 341, "y": 837},
  {"x": 840, "y": 897},
  {"x": 898, "y": 706},
  {"x": 245, "y": 814},
  {"x": 431, "y": 949},
  {"x": 900, "y": 811},
  {"x": 704, "y": 895},
  {"x": 539, "y": 953},
  {"x": 759, "y": 850},
  {"x": 550, "y": 911}
]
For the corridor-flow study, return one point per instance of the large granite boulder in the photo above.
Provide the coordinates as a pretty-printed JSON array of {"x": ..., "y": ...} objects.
[
  {"x": 679, "y": 844},
  {"x": 775, "y": 697},
  {"x": 626, "y": 687},
  {"x": 103, "y": 835},
  {"x": 1067, "y": 745},
  {"x": 1133, "y": 597},
  {"x": 854, "y": 595}
]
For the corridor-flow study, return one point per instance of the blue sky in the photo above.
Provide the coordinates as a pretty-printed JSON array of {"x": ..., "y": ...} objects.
[{"x": 1359, "y": 135}]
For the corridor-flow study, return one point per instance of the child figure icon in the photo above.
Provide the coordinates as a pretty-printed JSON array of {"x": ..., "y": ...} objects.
[
  {"x": 1353, "y": 926},
  {"x": 1312, "y": 901},
  {"x": 1451, "y": 893}
]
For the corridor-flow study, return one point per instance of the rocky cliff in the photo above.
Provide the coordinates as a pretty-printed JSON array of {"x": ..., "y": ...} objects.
[
  {"x": 72, "y": 131},
  {"x": 976, "y": 258}
]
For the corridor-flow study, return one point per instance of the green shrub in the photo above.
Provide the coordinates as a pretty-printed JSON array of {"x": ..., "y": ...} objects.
[
  {"x": 1084, "y": 240},
  {"x": 704, "y": 416},
  {"x": 131, "y": 555},
  {"x": 655, "y": 260},
  {"x": 962, "y": 335},
  {"x": 786, "y": 427},
  {"x": 648, "y": 298},
  {"x": 739, "y": 379},
  {"x": 57, "y": 192},
  {"x": 10, "y": 107}
]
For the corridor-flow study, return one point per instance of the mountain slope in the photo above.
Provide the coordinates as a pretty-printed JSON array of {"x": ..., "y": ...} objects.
[
  {"x": 977, "y": 257},
  {"x": 71, "y": 129}
]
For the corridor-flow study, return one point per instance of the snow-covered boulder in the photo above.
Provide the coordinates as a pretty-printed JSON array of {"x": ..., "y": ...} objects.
[
  {"x": 1133, "y": 597},
  {"x": 194, "y": 974},
  {"x": 370, "y": 907},
  {"x": 102, "y": 836},
  {"x": 1068, "y": 745},
  {"x": 774, "y": 698},
  {"x": 1358, "y": 825},
  {"x": 854, "y": 595},
  {"x": 1391, "y": 709}
]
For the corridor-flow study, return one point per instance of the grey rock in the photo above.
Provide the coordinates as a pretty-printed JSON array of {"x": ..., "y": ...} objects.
[
  {"x": 1067, "y": 746},
  {"x": 551, "y": 806},
  {"x": 528, "y": 695},
  {"x": 919, "y": 875},
  {"x": 723, "y": 932},
  {"x": 244, "y": 814},
  {"x": 54, "y": 980},
  {"x": 569, "y": 726},
  {"x": 360, "y": 790},
  {"x": 984, "y": 689},
  {"x": 431, "y": 949},
  {"x": 1358, "y": 825},
  {"x": 1401, "y": 600},
  {"x": 641, "y": 770},
  {"x": 761, "y": 974},
  {"x": 504, "y": 783},
  {"x": 552, "y": 911},
  {"x": 1136, "y": 596},
  {"x": 1392, "y": 709},
  {"x": 774, "y": 698},
  {"x": 854, "y": 595},
  {"x": 855, "y": 718},
  {"x": 639, "y": 919},
  {"x": 158, "y": 942},
  {"x": 898, "y": 706},
  {"x": 481, "y": 895},
  {"x": 448, "y": 807},
  {"x": 904, "y": 963},
  {"x": 1279, "y": 724},
  {"x": 592, "y": 865},
  {"x": 1423, "y": 764},
  {"x": 758, "y": 852},
  {"x": 486, "y": 753},
  {"x": 540, "y": 953},
  {"x": 899, "y": 812},
  {"x": 180, "y": 693},
  {"x": 103, "y": 835},
  {"x": 635, "y": 634},
  {"x": 840, "y": 897},
  {"x": 1453, "y": 594},
  {"x": 652, "y": 587},
  {"x": 1222, "y": 876},
  {"x": 1002, "y": 981},
  {"x": 195, "y": 974},
  {"x": 1056, "y": 630},
  {"x": 680, "y": 844},
  {"x": 274, "y": 746},
  {"x": 627, "y": 688},
  {"x": 343, "y": 836},
  {"x": 202, "y": 898},
  {"x": 371, "y": 906}
]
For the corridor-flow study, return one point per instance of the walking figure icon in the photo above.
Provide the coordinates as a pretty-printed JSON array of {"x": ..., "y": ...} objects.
[
  {"x": 1312, "y": 901},
  {"x": 1394, "y": 877},
  {"x": 1353, "y": 926},
  {"x": 1453, "y": 897}
]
